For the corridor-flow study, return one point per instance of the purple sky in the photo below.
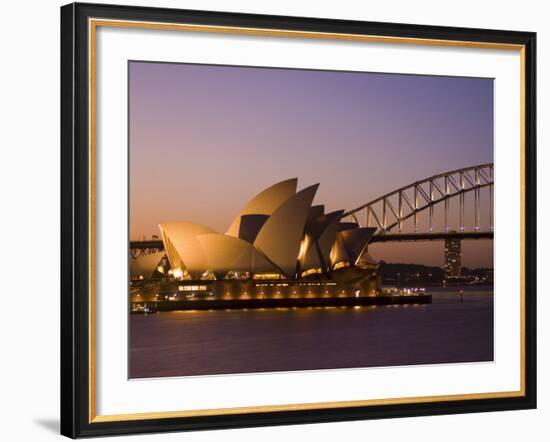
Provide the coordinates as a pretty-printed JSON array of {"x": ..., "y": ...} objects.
[{"x": 205, "y": 139}]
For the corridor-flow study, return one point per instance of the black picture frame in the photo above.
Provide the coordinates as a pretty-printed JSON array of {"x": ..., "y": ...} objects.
[{"x": 75, "y": 221}]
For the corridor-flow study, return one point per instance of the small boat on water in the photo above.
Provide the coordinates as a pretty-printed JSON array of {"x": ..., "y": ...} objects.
[{"x": 143, "y": 309}]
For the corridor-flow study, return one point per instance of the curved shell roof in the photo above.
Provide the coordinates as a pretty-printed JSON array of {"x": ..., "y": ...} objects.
[
  {"x": 278, "y": 231},
  {"x": 182, "y": 246},
  {"x": 324, "y": 229},
  {"x": 225, "y": 253},
  {"x": 281, "y": 235},
  {"x": 250, "y": 226},
  {"x": 145, "y": 265},
  {"x": 265, "y": 203},
  {"x": 350, "y": 244}
]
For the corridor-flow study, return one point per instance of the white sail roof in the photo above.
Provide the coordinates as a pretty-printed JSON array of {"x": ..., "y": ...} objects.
[
  {"x": 225, "y": 253},
  {"x": 182, "y": 246},
  {"x": 265, "y": 203},
  {"x": 145, "y": 265},
  {"x": 355, "y": 241},
  {"x": 323, "y": 231},
  {"x": 277, "y": 231},
  {"x": 280, "y": 236}
]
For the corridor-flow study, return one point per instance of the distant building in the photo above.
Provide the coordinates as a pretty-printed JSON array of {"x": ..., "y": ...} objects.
[{"x": 453, "y": 263}]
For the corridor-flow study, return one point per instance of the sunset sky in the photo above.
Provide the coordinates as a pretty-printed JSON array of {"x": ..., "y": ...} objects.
[{"x": 205, "y": 139}]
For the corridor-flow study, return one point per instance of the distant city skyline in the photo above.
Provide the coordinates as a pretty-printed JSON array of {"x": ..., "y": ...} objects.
[{"x": 204, "y": 139}]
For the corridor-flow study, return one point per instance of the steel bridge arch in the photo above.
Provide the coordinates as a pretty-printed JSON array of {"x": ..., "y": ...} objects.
[{"x": 425, "y": 195}]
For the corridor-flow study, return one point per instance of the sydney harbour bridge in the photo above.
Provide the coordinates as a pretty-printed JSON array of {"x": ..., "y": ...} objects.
[{"x": 452, "y": 206}]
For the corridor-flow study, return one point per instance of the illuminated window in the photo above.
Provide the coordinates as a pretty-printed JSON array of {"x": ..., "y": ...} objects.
[
  {"x": 268, "y": 276},
  {"x": 192, "y": 288},
  {"x": 341, "y": 264},
  {"x": 312, "y": 271}
]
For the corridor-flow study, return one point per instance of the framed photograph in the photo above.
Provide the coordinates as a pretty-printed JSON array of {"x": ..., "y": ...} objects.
[{"x": 275, "y": 220}]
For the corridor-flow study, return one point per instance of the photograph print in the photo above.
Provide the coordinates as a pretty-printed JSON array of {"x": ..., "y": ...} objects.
[{"x": 292, "y": 219}]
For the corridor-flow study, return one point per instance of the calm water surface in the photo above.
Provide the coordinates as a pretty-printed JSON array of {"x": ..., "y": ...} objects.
[{"x": 238, "y": 341}]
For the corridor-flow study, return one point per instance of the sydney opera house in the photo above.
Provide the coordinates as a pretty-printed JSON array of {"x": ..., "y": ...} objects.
[{"x": 279, "y": 245}]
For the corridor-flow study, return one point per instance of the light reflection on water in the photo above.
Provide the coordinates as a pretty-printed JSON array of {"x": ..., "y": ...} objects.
[{"x": 196, "y": 342}]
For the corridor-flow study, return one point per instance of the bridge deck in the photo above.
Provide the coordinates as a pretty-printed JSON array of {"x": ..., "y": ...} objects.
[
  {"x": 433, "y": 236},
  {"x": 427, "y": 236}
]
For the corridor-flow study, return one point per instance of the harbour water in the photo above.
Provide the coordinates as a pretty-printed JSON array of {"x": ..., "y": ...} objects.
[{"x": 187, "y": 343}]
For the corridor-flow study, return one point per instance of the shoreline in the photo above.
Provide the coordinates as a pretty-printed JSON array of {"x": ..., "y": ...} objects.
[{"x": 224, "y": 304}]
